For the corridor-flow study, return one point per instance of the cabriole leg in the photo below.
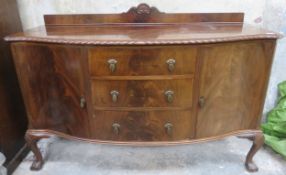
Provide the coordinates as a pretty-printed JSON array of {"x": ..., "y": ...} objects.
[
  {"x": 258, "y": 141},
  {"x": 32, "y": 143}
]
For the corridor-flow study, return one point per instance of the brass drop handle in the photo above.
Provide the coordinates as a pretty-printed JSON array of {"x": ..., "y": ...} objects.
[
  {"x": 169, "y": 127},
  {"x": 114, "y": 95},
  {"x": 116, "y": 128},
  {"x": 202, "y": 101},
  {"x": 169, "y": 94},
  {"x": 171, "y": 64},
  {"x": 82, "y": 102},
  {"x": 112, "y": 64}
]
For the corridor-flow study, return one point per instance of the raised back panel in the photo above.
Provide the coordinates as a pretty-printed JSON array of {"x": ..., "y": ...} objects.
[{"x": 143, "y": 13}]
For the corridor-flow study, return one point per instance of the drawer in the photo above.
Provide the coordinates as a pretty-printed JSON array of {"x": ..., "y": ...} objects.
[
  {"x": 142, "y": 126},
  {"x": 144, "y": 60},
  {"x": 142, "y": 93}
]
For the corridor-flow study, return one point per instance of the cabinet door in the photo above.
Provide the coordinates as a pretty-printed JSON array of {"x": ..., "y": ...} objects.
[
  {"x": 233, "y": 82},
  {"x": 51, "y": 80}
]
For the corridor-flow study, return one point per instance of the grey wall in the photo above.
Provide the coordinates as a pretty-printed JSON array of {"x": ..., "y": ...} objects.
[
  {"x": 270, "y": 14},
  {"x": 274, "y": 18}
]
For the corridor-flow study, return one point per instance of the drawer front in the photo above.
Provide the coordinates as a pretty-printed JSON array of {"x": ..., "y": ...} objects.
[
  {"x": 142, "y": 126},
  {"x": 142, "y": 93},
  {"x": 144, "y": 60}
]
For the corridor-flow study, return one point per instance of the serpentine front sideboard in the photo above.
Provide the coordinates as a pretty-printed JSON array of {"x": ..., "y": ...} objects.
[{"x": 144, "y": 77}]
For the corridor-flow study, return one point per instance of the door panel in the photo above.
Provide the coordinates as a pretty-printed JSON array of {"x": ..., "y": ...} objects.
[
  {"x": 51, "y": 80},
  {"x": 233, "y": 81}
]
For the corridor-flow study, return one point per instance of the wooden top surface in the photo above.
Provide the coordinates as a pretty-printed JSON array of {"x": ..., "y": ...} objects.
[
  {"x": 143, "y": 25},
  {"x": 143, "y": 34}
]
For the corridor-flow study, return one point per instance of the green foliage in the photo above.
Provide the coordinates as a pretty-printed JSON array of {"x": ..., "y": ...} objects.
[{"x": 275, "y": 128}]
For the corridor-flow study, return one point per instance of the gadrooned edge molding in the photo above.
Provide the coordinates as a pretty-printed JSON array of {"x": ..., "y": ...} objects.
[{"x": 137, "y": 42}]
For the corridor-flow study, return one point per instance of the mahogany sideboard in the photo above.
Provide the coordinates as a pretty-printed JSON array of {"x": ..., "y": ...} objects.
[{"x": 144, "y": 77}]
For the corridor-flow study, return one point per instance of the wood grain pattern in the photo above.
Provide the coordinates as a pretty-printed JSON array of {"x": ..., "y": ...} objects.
[
  {"x": 144, "y": 77},
  {"x": 132, "y": 34},
  {"x": 142, "y": 126},
  {"x": 143, "y": 13},
  {"x": 233, "y": 81},
  {"x": 218, "y": 82},
  {"x": 150, "y": 60},
  {"x": 143, "y": 93},
  {"x": 51, "y": 82},
  {"x": 143, "y": 25}
]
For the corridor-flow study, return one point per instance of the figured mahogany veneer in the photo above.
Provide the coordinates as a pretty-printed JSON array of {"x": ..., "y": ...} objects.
[
  {"x": 233, "y": 80},
  {"x": 143, "y": 125},
  {"x": 144, "y": 78},
  {"x": 52, "y": 85},
  {"x": 143, "y": 93},
  {"x": 138, "y": 60}
]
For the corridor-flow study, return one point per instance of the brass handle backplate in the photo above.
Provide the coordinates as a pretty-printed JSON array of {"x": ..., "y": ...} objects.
[
  {"x": 169, "y": 127},
  {"x": 116, "y": 128},
  {"x": 114, "y": 95},
  {"x": 171, "y": 64},
  {"x": 82, "y": 102},
  {"x": 112, "y": 64},
  {"x": 202, "y": 101},
  {"x": 169, "y": 94}
]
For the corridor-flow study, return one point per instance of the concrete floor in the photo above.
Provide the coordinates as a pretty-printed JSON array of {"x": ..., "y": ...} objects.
[
  {"x": 226, "y": 156},
  {"x": 3, "y": 170}
]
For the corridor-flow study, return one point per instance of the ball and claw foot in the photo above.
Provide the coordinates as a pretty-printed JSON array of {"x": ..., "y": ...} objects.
[
  {"x": 36, "y": 165},
  {"x": 251, "y": 166}
]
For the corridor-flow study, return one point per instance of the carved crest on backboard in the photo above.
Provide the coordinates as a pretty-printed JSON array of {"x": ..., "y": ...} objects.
[{"x": 143, "y": 9}]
